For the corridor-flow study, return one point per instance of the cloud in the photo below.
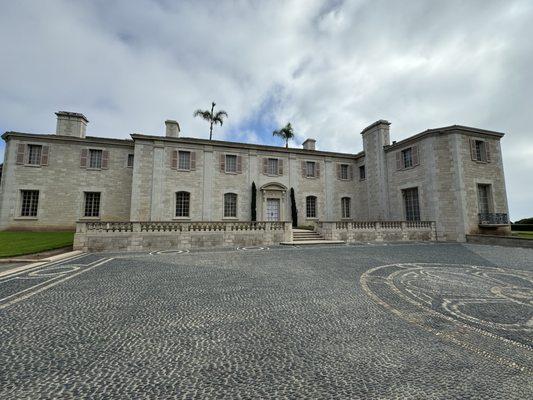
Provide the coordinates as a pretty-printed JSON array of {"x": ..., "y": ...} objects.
[{"x": 329, "y": 67}]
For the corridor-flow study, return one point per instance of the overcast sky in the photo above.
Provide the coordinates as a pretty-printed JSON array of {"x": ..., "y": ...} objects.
[{"x": 329, "y": 67}]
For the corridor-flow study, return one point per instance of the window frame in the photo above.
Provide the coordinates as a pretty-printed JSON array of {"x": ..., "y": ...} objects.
[
  {"x": 414, "y": 213},
  {"x": 344, "y": 168},
  {"x": 30, "y": 206},
  {"x": 481, "y": 150},
  {"x": 132, "y": 155},
  {"x": 311, "y": 207},
  {"x": 187, "y": 204},
  {"x": 85, "y": 205},
  {"x": 347, "y": 215},
  {"x": 29, "y": 146},
  {"x": 226, "y": 206},
  {"x": 307, "y": 164},
  {"x": 405, "y": 152},
  {"x": 272, "y": 166},
  {"x": 226, "y": 164},
  {"x": 89, "y": 158},
  {"x": 362, "y": 172},
  {"x": 180, "y": 153},
  {"x": 490, "y": 205}
]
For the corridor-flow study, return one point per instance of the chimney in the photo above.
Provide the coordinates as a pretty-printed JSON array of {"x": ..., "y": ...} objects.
[
  {"x": 172, "y": 128},
  {"x": 71, "y": 124},
  {"x": 309, "y": 144}
]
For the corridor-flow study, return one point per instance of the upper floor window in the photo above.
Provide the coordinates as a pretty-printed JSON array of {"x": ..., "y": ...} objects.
[
  {"x": 345, "y": 205},
  {"x": 130, "y": 160},
  {"x": 310, "y": 206},
  {"x": 362, "y": 173},
  {"x": 92, "y": 204},
  {"x": 480, "y": 150},
  {"x": 184, "y": 160},
  {"x": 34, "y": 154},
  {"x": 407, "y": 158},
  {"x": 183, "y": 200},
  {"x": 272, "y": 166},
  {"x": 230, "y": 205},
  {"x": 344, "y": 171},
  {"x": 412, "y": 207},
  {"x": 29, "y": 203},
  {"x": 231, "y": 163},
  {"x": 95, "y": 158}
]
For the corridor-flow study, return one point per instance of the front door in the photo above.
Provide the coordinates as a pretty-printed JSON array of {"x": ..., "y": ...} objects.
[{"x": 272, "y": 210}]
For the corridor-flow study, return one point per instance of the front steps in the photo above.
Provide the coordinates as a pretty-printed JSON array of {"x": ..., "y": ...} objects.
[{"x": 307, "y": 237}]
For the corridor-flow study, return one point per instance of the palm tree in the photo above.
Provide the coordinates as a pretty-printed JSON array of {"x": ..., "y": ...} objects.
[
  {"x": 286, "y": 133},
  {"x": 211, "y": 117}
]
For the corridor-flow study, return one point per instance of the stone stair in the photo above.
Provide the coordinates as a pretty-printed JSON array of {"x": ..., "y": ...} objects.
[{"x": 308, "y": 237}]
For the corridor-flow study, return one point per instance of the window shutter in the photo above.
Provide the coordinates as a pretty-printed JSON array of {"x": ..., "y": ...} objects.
[
  {"x": 339, "y": 171},
  {"x": 105, "y": 159},
  {"x": 45, "y": 151},
  {"x": 399, "y": 163},
  {"x": 21, "y": 153},
  {"x": 473, "y": 152},
  {"x": 280, "y": 166},
  {"x": 265, "y": 166},
  {"x": 304, "y": 169},
  {"x": 317, "y": 170},
  {"x": 350, "y": 172},
  {"x": 193, "y": 160},
  {"x": 83, "y": 158},
  {"x": 222, "y": 162},
  {"x": 174, "y": 160},
  {"x": 416, "y": 159},
  {"x": 487, "y": 151},
  {"x": 239, "y": 164}
]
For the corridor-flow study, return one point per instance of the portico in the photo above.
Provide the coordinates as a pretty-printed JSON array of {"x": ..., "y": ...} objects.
[{"x": 273, "y": 202}]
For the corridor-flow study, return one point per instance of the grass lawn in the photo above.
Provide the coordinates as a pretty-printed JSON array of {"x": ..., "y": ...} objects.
[
  {"x": 523, "y": 234},
  {"x": 20, "y": 243}
]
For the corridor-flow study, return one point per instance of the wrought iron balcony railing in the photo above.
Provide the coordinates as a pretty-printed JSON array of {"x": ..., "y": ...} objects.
[{"x": 493, "y": 219}]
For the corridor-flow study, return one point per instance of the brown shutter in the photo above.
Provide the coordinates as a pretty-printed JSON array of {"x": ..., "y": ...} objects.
[
  {"x": 105, "y": 159},
  {"x": 45, "y": 151},
  {"x": 193, "y": 160},
  {"x": 317, "y": 170},
  {"x": 280, "y": 166},
  {"x": 399, "y": 163},
  {"x": 416, "y": 159},
  {"x": 21, "y": 153},
  {"x": 304, "y": 169},
  {"x": 339, "y": 168},
  {"x": 265, "y": 166},
  {"x": 222, "y": 162},
  {"x": 487, "y": 151},
  {"x": 239, "y": 164},
  {"x": 473, "y": 152},
  {"x": 83, "y": 158},
  {"x": 174, "y": 160}
]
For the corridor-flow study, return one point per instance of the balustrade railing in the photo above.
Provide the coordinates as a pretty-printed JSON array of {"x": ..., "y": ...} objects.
[
  {"x": 362, "y": 225},
  {"x": 493, "y": 219},
  {"x": 181, "y": 226}
]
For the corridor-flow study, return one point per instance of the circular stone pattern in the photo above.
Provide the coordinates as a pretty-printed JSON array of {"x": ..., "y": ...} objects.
[{"x": 486, "y": 309}]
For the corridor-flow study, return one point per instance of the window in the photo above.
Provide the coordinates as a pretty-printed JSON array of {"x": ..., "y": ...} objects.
[
  {"x": 345, "y": 205},
  {"x": 310, "y": 206},
  {"x": 344, "y": 172},
  {"x": 272, "y": 166},
  {"x": 130, "y": 160},
  {"x": 34, "y": 154},
  {"x": 412, "y": 208},
  {"x": 92, "y": 204},
  {"x": 362, "y": 173},
  {"x": 310, "y": 169},
  {"x": 95, "y": 158},
  {"x": 481, "y": 152},
  {"x": 231, "y": 163},
  {"x": 184, "y": 160},
  {"x": 183, "y": 200},
  {"x": 483, "y": 196},
  {"x": 29, "y": 203},
  {"x": 230, "y": 205},
  {"x": 407, "y": 158}
]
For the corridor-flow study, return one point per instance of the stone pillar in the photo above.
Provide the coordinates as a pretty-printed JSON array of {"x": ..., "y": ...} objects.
[
  {"x": 157, "y": 183},
  {"x": 207, "y": 188}
]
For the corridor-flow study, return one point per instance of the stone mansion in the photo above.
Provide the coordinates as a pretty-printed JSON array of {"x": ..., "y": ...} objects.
[{"x": 452, "y": 175}]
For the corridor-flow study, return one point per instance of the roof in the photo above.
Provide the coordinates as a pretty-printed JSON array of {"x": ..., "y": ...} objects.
[{"x": 87, "y": 139}]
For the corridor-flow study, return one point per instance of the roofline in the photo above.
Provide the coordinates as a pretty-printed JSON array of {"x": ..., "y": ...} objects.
[
  {"x": 53, "y": 136},
  {"x": 444, "y": 130},
  {"x": 222, "y": 143},
  {"x": 374, "y": 124}
]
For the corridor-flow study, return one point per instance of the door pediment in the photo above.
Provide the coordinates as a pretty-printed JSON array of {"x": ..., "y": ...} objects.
[{"x": 273, "y": 186}]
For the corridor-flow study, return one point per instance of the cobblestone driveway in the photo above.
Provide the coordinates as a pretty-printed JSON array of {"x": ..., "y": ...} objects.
[{"x": 414, "y": 321}]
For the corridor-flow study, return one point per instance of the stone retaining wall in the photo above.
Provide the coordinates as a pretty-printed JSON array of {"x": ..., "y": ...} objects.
[{"x": 495, "y": 240}]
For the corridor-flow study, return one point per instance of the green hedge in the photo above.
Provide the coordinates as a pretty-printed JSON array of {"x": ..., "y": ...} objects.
[{"x": 522, "y": 227}]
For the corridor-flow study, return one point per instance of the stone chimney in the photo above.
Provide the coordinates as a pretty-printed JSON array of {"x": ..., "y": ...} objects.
[
  {"x": 172, "y": 128},
  {"x": 71, "y": 124},
  {"x": 309, "y": 144}
]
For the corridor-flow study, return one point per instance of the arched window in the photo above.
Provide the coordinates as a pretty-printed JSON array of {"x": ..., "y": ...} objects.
[
  {"x": 345, "y": 206},
  {"x": 310, "y": 206},
  {"x": 183, "y": 201},
  {"x": 230, "y": 205}
]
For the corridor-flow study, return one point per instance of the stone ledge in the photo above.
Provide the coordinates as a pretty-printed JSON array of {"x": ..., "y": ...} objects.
[{"x": 495, "y": 240}]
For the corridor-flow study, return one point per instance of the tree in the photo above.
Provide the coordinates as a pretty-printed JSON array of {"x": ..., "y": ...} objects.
[
  {"x": 211, "y": 117},
  {"x": 294, "y": 210},
  {"x": 286, "y": 133},
  {"x": 254, "y": 203}
]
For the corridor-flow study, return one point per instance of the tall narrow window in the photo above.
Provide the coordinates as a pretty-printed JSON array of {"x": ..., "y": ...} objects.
[
  {"x": 29, "y": 203},
  {"x": 310, "y": 206},
  {"x": 344, "y": 171},
  {"x": 130, "y": 160},
  {"x": 231, "y": 163},
  {"x": 407, "y": 156},
  {"x": 92, "y": 204},
  {"x": 272, "y": 166},
  {"x": 184, "y": 160},
  {"x": 480, "y": 151},
  {"x": 483, "y": 196},
  {"x": 34, "y": 154},
  {"x": 310, "y": 169},
  {"x": 345, "y": 205},
  {"x": 230, "y": 205},
  {"x": 183, "y": 201},
  {"x": 95, "y": 158},
  {"x": 412, "y": 208},
  {"x": 362, "y": 173}
]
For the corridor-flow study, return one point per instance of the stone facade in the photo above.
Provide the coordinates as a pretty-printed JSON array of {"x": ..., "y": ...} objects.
[{"x": 142, "y": 176}]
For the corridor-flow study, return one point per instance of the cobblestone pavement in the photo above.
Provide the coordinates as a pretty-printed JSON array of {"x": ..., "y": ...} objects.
[{"x": 410, "y": 321}]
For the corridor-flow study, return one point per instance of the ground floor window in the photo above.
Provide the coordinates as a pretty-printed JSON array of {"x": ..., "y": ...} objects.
[
  {"x": 412, "y": 207},
  {"x": 183, "y": 200},
  {"x": 483, "y": 196},
  {"x": 29, "y": 203},
  {"x": 92, "y": 204},
  {"x": 345, "y": 205},
  {"x": 230, "y": 205},
  {"x": 310, "y": 206}
]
